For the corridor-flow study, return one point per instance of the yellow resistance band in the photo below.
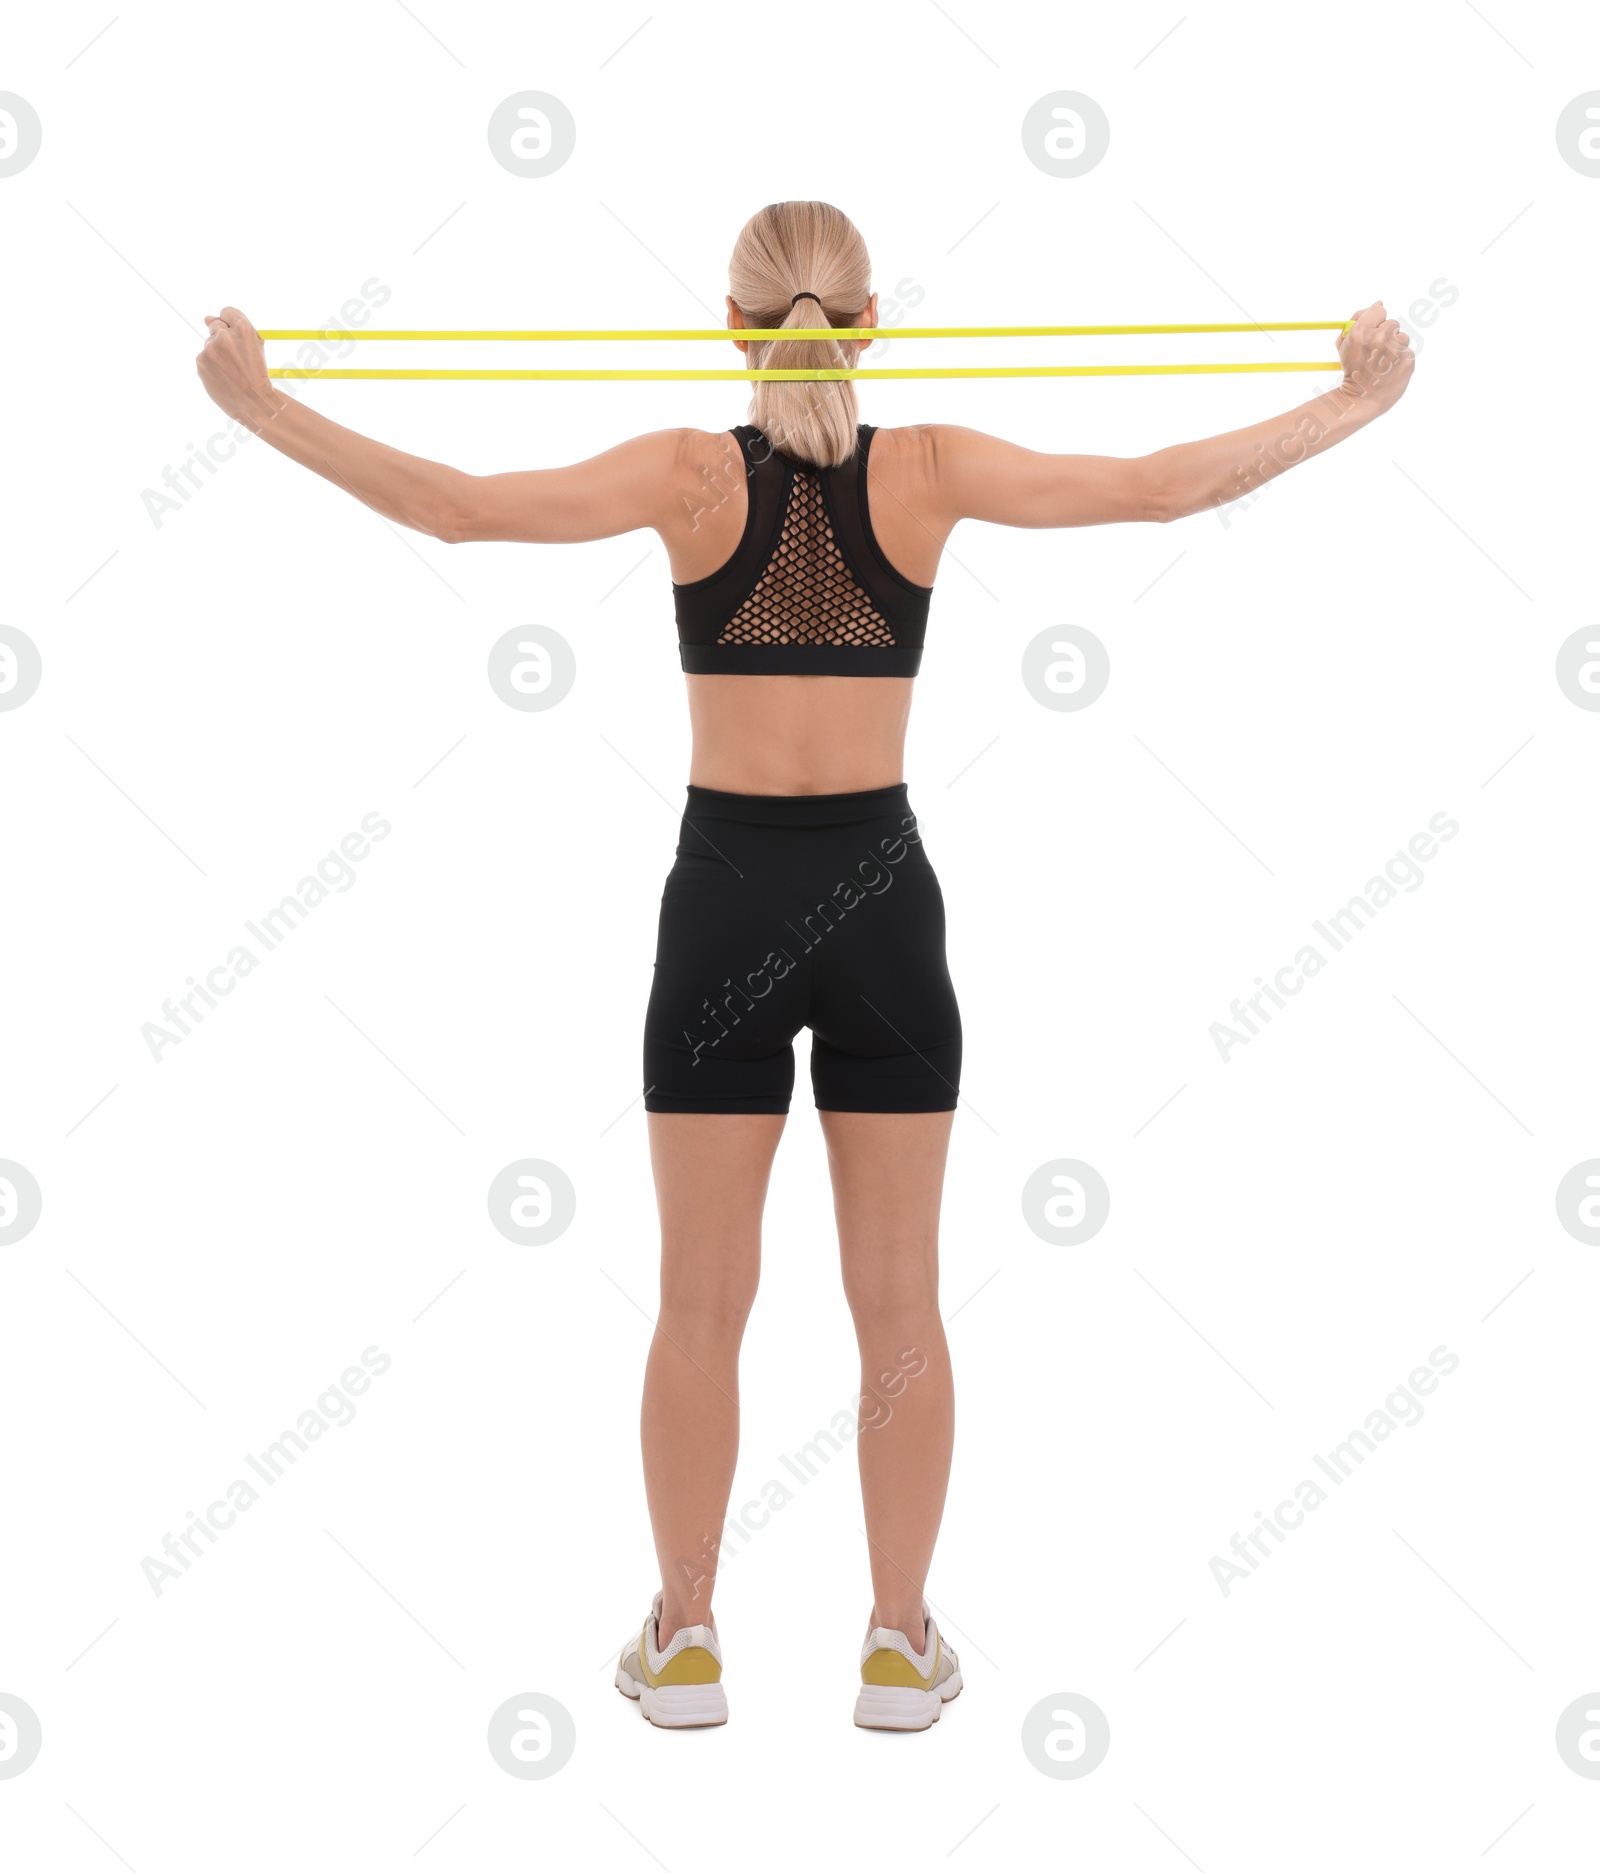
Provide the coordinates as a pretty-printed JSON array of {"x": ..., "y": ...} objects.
[{"x": 803, "y": 334}]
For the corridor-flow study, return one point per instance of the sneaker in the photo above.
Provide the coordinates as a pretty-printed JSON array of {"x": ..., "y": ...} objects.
[
  {"x": 899, "y": 1689},
  {"x": 680, "y": 1688}
]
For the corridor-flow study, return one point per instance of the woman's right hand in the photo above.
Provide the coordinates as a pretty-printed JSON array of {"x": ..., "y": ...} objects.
[
  {"x": 1377, "y": 358},
  {"x": 233, "y": 367}
]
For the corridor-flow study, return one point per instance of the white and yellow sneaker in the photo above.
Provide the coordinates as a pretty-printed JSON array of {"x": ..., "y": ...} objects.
[
  {"x": 901, "y": 1690},
  {"x": 680, "y": 1688}
]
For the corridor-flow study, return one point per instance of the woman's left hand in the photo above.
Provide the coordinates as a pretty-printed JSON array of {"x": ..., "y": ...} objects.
[
  {"x": 233, "y": 367},
  {"x": 1377, "y": 358}
]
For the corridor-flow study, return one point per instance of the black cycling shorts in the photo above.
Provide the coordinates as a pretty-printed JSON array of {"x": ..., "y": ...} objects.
[{"x": 786, "y": 911}]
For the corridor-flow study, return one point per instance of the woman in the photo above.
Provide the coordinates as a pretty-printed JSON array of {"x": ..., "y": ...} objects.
[{"x": 803, "y": 550}]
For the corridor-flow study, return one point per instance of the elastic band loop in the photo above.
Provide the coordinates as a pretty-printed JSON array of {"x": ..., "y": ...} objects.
[
  {"x": 673, "y": 335},
  {"x": 681, "y": 334},
  {"x": 818, "y": 377}
]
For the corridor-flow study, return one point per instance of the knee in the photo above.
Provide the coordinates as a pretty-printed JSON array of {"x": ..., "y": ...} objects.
[
  {"x": 888, "y": 1299},
  {"x": 711, "y": 1294}
]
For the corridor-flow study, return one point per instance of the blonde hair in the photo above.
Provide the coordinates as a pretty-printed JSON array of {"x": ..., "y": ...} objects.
[{"x": 785, "y": 249}]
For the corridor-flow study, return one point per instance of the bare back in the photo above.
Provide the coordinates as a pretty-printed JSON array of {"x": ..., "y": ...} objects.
[{"x": 801, "y": 734}]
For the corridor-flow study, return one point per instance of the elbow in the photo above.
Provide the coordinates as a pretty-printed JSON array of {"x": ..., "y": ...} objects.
[
  {"x": 1173, "y": 502},
  {"x": 451, "y": 514},
  {"x": 1157, "y": 495},
  {"x": 450, "y": 523}
]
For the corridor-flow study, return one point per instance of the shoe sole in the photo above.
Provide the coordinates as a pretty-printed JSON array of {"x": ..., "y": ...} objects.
[
  {"x": 676, "y": 1706},
  {"x": 899, "y": 1707}
]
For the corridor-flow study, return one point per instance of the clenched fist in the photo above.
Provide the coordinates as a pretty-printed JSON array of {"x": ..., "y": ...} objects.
[
  {"x": 233, "y": 367},
  {"x": 1377, "y": 357}
]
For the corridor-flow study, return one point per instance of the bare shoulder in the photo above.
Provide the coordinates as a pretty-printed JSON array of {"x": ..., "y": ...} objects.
[
  {"x": 905, "y": 517},
  {"x": 976, "y": 476},
  {"x": 663, "y": 455},
  {"x": 907, "y": 450},
  {"x": 904, "y": 460},
  {"x": 640, "y": 470},
  {"x": 933, "y": 464},
  {"x": 954, "y": 448},
  {"x": 675, "y": 472},
  {"x": 705, "y": 450},
  {"x": 945, "y": 452},
  {"x": 631, "y": 484}
]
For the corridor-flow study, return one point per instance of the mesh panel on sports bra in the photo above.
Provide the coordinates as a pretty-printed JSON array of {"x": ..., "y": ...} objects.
[{"x": 807, "y": 594}]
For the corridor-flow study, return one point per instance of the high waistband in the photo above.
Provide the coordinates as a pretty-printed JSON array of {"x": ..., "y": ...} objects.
[{"x": 797, "y": 809}]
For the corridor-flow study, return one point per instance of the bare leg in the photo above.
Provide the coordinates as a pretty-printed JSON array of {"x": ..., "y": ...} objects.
[
  {"x": 711, "y": 1172},
  {"x": 888, "y": 1176}
]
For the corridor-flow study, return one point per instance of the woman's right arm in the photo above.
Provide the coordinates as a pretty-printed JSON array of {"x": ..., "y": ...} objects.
[{"x": 980, "y": 477}]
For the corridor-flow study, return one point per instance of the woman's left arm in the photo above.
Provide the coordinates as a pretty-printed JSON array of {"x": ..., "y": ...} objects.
[
  {"x": 627, "y": 487},
  {"x": 1378, "y": 362}
]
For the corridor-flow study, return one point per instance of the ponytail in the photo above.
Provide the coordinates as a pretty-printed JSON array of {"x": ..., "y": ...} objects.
[{"x": 789, "y": 249}]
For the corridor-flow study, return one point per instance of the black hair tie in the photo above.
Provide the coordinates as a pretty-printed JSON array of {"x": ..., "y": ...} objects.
[{"x": 799, "y": 296}]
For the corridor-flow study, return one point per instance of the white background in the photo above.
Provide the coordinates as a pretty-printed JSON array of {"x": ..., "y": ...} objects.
[{"x": 1313, "y": 677}]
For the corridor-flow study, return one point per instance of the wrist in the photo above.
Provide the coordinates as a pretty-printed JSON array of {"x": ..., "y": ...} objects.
[
  {"x": 261, "y": 408},
  {"x": 1359, "y": 403}
]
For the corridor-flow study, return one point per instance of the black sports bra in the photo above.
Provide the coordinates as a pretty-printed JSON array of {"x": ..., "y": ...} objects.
[{"x": 807, "y": 590}]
